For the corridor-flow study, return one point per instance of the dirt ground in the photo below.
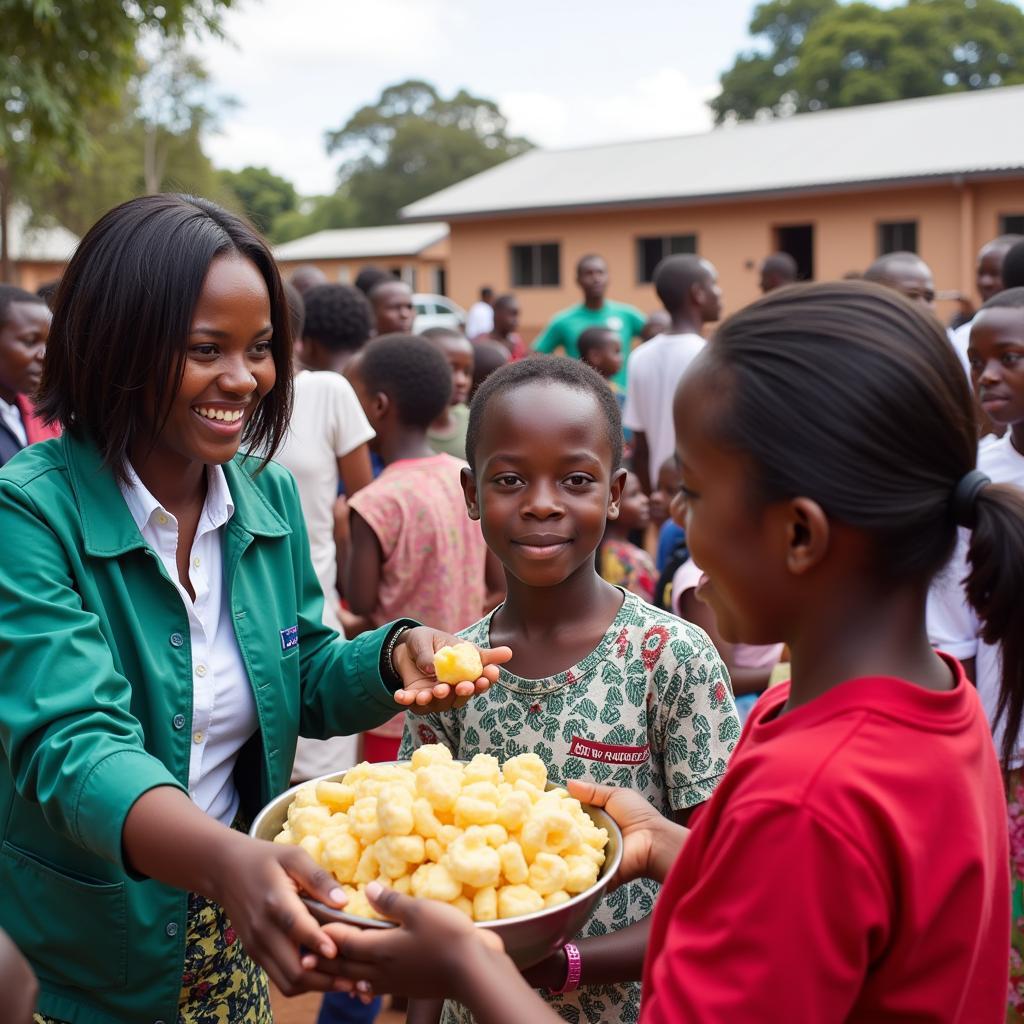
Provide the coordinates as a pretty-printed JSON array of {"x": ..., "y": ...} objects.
[{"x": 303, "y": 1010}]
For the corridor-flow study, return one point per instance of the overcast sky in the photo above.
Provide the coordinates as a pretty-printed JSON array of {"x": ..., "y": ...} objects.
[{"x": 565, "y": 72}]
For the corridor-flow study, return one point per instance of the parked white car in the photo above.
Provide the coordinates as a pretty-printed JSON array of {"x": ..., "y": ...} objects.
[{"x": 437, "y": 311}]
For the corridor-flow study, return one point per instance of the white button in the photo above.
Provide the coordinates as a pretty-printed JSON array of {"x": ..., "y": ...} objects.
[
  {"x": 162, "y": 519},
  {"x": 200, "y": 670},
  {"x": 195, "y": 562},
  {"x": 197, "y": 737}
]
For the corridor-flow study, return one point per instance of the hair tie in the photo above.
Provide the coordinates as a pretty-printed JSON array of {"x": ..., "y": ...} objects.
[{"x": 965, "y": 497}]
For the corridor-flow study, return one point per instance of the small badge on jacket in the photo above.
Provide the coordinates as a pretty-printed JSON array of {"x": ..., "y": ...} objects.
[{"x": 289, "y": 638}]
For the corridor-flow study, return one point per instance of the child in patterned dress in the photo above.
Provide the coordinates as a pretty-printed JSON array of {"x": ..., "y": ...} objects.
[{"x": 602, "y": 685}]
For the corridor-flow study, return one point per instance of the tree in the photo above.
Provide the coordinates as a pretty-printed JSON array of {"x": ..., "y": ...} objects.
[
  {"x": 59, "y": 62},
  {"x": 261, "y": 194},
  {"x": 412, "y": 142},
  {"x": 819, "y": 54},
  {"x": 320, "y": 213}
]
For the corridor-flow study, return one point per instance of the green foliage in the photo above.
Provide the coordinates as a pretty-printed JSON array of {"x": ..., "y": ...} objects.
[
  {"x": 262, "y": 195},
  {"x": 412, "y": 142},
  {"x": 819, "y": 54},
  {"x": 321, "y": 213}
]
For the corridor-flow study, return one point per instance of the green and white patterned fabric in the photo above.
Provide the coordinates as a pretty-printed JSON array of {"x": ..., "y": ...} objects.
[{"x": 650, "y": 709}]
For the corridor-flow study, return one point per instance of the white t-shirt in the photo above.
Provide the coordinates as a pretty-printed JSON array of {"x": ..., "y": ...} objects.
[
  {"x": 653, "y": 374},
  {"x": 953, "y": 625},
  {"x": 327, "y": 423},
  {"x": 479, "y": 319},
  {"x": 961, "y": 339}
]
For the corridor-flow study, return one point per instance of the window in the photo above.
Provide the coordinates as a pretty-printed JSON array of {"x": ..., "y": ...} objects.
[
  {"x": 798, "y": 241},
  {"x": 897, "y": 236},
  {"x": 651, "y": 251},
  {"x": 1011, "y": 224},
  {"x": 535, "y": 266}
]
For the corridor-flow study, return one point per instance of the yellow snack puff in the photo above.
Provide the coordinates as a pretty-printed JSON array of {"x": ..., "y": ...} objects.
[
  {"x": 465, "y": 905},
  {"x": 514, "y": 809},
  {"x": 516, "y": 900},
  {"x": 313, "y": 846},
  {"x": 363, "y": 817},
  {"x": 485, "y": 904},
  {"x": 337, "y": 795},
  {"x": 526, "y": 766},
  {"x": 359, "y": 905},
  {"x": 425, "y": 821},
  {"x": 431, "y": 753},
  {"x": 496, "y": 835},
  {"x": 368, "y": 868},
  {"x": 513, "y": 863},
  {"x": 581, "y": 873},
  {"x": 441, "y": 784},
  {"x": 394, "y": 810},
  {"x": 550, "y": 828},
  {"x": 402, "y": 885},
  {"x": 305, "y": 796},
  {"x": 307, "y": 820},
  {"x": 458, "y": 663},
  {"x": 396, "y": 853},
  {"x": 447, "y": 834},
  {"x": 434, "y": 882},
  {"x": 472, "y": 861},
  {"x": 548, "y": 873},
  {"x": 434, "y": 850},
  {"x": 556, "y": 899},
  {"x": 477, "y": 805},
  {"x": 483, "y": 768},
  {"x": 341, "y": 856},
  {"x": 285, "y": 837}
]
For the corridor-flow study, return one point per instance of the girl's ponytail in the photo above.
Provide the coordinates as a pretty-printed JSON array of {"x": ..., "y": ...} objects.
[{"x": 995, "y": 589}]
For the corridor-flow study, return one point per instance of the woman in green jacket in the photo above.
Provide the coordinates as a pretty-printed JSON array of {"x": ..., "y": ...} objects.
[{"x": 161, "y": 645}]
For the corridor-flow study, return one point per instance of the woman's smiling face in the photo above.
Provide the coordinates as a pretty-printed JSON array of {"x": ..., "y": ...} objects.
[
  {"x": 543, "y": 486},
  {"x": 229, "y": 365}
]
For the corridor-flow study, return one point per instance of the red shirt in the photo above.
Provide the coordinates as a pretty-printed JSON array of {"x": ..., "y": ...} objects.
[{"x": 853, "y": 865}]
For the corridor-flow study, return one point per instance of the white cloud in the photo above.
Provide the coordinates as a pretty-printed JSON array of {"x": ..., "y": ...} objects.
[{"x": 662, "y": 103}]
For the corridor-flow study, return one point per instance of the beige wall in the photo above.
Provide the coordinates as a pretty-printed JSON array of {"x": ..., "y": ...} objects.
[
  {"x": 30, "y": 274},
  {"x": 952, "y": 224},
  {"x": 421, "y": 270}
]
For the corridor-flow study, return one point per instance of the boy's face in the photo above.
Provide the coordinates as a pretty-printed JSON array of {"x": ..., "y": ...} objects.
[
  {"x": 593, "y": 279},
  {"x": 666, "y": 489},
  {"x": 635, "y": 507},
  {"x": 543, "y": 488},
  {"x": 22, "y": 347},
  {"x": 392, "y": 308},
  {"x": 996, "y": 355},
  {"x": 459, "y": 353},
  {"x": 606, "y": 358},
  {"x": 990, "y": 271},
  {"x": 506, "y": 318}
]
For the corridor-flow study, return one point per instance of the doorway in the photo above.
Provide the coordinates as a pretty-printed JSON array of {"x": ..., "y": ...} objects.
[{"x": 798, "y": 241}]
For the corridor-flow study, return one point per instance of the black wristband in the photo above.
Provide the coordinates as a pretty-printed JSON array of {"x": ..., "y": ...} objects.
[{"x": 388, "y": 674}]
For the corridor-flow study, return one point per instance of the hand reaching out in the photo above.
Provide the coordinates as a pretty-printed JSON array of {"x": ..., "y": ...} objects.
[{"x": 413, "y": 659}]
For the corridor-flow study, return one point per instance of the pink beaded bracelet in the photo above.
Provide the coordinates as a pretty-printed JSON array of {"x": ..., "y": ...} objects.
[{"x": 572, "y": 977}]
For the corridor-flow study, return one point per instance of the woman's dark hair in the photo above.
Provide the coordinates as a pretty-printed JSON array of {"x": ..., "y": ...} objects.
[
  {"x": 851, "y": 395},
  {"x": 572, "y": 373},
  {"x": 122, "y": 316}
]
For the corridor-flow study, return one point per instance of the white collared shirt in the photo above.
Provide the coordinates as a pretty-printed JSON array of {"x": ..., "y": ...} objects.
[
  {"x": 11, "y": 415},
  {"x": 223, "y": 707}
]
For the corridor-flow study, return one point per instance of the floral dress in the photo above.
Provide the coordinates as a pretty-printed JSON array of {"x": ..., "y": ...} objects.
[{"x": 650, "y": 709}]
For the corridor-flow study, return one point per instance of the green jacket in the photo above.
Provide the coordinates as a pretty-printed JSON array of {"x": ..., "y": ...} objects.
[{"x": 96, "y": 705}]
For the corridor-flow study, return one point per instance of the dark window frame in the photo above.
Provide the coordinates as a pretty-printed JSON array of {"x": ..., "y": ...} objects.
[
  {"x": 892, "y": 236},
  {"x": 1011, "y": 223},
  {"x": 540, "y": 257},
  {"x": 668, "y": 245}
]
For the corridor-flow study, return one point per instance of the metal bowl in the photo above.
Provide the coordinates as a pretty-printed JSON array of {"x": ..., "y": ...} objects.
[{"x": 528, "y": 939}]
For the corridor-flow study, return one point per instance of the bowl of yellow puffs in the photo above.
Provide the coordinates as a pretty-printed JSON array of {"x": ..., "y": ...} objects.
[{"x": 498, "y": 842}]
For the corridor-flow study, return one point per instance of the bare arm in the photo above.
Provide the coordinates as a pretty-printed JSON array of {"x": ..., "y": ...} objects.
[
  {"x": 641, "y": 460},
  {"x": 606, "y": 959},
  {"x": 17, "y": 982},
  {"x": 362, "y": 567},
  {"x": 355, "y": 470}
]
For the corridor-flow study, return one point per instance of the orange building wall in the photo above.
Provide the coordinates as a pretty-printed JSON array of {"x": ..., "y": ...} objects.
[
  {"x": 30, "y": 274},
  {"x": 953, "y": 222}
]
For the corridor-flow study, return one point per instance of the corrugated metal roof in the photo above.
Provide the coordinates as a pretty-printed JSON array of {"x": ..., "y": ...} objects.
[
  {"x": 355, "y": 243},
  {"x": 954, "y": 134},
  {"x": 40, "y": 244}
]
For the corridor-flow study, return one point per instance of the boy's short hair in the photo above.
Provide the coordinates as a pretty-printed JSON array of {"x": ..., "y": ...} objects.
[
  {"x": 338, "y": 316},
  {"x": 10, "y": 294},
  {"x": 443, "y": 332},
  {"x": 368, "y": 277},
  {"x": 1013, "y": 267},
  {"x": 412, "y": 373},
  {"x": 592, "y": 338},
  {"x": 572, "y": 373},
  {"x": 1008, "y": 298},
  {"x": 675, "y": 276},
  {"x": 121, "y": 323}
]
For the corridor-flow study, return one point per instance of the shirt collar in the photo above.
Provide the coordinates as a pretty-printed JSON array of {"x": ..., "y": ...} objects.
[{"x": 217, "y": 509}]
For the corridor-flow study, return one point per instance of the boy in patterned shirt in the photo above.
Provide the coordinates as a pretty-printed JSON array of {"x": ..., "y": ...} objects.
[{"x": 601, "y": 685}]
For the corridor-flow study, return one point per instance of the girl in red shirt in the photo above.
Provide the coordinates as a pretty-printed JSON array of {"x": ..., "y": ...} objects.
[{"x": 853, "y": 863}]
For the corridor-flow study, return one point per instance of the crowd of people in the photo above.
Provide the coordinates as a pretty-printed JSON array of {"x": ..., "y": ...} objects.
[{"x": 755, "y": 592}]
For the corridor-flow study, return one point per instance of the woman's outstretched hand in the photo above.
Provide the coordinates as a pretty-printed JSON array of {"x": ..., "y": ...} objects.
[
  {"x": 413, "y": 660},
  {"x": 650, "y": 842}
]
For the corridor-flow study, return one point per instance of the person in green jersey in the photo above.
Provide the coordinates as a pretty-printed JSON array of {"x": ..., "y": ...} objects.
[{"x": 594, "y": 311}]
